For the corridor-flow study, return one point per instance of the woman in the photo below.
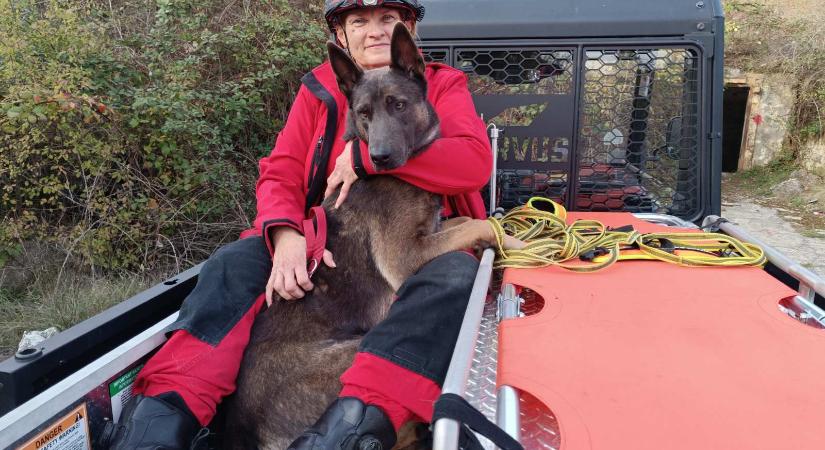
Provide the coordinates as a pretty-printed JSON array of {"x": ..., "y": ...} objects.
[{"x": 397, "y": 374}]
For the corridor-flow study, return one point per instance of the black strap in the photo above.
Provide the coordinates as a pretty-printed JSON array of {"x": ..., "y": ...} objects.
[
  {"x": 357, "y": 163},
  {"x": 451, "y": 406},
  {"x": 713, "y": 226},
  {"x": 622, "y": 229},
  {"x": 320, "y": 161}
]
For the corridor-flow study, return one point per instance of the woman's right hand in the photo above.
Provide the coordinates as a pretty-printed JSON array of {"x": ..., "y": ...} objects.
[{"x": 289, "y": 278}]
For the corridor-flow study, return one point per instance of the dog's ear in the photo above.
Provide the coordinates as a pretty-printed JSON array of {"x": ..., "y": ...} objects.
[
  {"x": 346, "y": 71},
  {"x": 405, "y": 56}
]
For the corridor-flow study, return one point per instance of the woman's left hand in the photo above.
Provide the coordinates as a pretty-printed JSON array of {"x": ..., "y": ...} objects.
[{"x": 343, "y": 175}]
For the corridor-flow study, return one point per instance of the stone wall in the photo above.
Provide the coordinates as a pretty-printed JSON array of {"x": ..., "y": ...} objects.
[
  {"x": 768, "y": 116},
  {"x": 812, "y": 156}
]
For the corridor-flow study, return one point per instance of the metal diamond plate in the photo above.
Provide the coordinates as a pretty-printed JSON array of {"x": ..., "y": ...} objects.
[
  {"x": 533, "y": 302},
  {"x": 481, "y": 385},
  {"x": 539, "y": 427}
]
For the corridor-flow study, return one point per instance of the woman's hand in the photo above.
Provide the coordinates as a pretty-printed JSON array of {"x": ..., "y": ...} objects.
[
  {"x": 342, "y": 175},
  {"x": 289, "y": 278},
  {"x": 511, "y": 243}
]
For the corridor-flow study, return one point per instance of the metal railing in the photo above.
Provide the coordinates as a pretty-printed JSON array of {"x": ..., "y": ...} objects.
[
  {"x": 446, "y": 431},
  {"x": 810, "y": 284}
]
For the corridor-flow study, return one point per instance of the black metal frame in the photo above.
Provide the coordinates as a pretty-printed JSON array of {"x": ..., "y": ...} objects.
[
  {"x": 708, "y": 186},
  {"x": 492, "y": 24}
]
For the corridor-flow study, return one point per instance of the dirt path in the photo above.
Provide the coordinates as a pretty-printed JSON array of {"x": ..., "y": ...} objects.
[{"x": 779, "y": 228}]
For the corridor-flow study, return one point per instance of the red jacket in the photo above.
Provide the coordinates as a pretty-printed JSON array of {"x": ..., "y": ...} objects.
[{"x": 293, "y": 177}]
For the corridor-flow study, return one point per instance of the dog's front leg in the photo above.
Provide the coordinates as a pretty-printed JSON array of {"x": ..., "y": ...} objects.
[
  {"x": 396, "y": 266},
  {"x": 455, "y": 221},
  {"x": 465, "y": 235},
  {"x": 468, "y": 234},
  {"x": 397, "y": 259}
]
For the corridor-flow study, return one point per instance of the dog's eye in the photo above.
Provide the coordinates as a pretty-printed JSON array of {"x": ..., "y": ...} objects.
[
  {"x": 364, "y": 113},
  {"x": 399, "y": 106}
]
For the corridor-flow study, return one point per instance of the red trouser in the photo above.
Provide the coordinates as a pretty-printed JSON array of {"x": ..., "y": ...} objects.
[{"x": 203, "y": 375}]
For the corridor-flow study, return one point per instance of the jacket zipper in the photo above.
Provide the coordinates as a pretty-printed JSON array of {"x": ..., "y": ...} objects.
[{"x": 316, "y": 158}]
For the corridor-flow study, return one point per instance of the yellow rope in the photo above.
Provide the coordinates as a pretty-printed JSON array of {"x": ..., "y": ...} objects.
[{"x": 551, "y": 241}]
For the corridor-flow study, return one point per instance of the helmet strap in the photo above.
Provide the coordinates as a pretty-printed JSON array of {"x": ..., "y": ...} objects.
[
  {"x": 337, "y": 22},
  {"x": 346, "y": 39}
]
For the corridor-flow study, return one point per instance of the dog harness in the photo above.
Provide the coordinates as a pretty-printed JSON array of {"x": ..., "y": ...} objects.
[{"x": 315, "y": 232}]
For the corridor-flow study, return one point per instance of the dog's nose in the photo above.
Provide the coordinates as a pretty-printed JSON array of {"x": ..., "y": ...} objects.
[{"x": 380, "y": 159}]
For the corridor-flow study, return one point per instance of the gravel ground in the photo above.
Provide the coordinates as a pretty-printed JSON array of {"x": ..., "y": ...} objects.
[{"x": 780, "y": 229}]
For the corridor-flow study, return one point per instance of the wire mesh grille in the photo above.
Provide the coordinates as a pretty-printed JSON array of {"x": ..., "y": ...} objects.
[
  {"x": 521, "y": 90},
  {"x": 517, "y": 71},
  {"x": 595, "y": 129},
  {"x": 638, "y": 132},
  {"x": 439, "y": 55}
]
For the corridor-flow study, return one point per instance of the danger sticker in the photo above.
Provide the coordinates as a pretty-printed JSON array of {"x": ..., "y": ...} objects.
[{"x": 70, "y": 432}]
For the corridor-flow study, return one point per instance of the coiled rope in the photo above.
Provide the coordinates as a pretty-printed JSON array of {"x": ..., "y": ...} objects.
[{"x": 588, "y": 246}]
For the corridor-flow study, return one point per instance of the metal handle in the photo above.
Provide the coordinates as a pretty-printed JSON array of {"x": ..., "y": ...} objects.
[{"x": 494, "y": 131}]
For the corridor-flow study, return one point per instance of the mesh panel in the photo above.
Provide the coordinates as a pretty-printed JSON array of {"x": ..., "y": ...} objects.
[
  {"x": 638, "y": 132},
  {"x": 634, "y": 121},
  {"x": 521, "y": 90},
  {"x": 517, "y": 71},
  {"x": 439, "y": 55}
]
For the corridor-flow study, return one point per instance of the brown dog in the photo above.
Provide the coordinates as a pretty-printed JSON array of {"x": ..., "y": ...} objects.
[{"x": 384, "y": 232}]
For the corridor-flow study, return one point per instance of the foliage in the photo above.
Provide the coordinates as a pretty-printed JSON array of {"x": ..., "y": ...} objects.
[
  {"x": 759, "y": 180},
  {"x": 130, "y": 132}
]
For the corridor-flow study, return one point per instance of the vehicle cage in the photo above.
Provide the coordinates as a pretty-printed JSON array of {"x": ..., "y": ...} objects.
[{"x": 602, "y": 106}]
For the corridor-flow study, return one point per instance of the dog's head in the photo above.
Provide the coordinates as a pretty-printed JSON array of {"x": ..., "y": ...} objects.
[{"x": 388, "y": 108}]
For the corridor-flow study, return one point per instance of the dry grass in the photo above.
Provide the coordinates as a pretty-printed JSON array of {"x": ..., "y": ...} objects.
[
  {"x": 799, "y": 10},
  {"x": 47, "y": 302}
]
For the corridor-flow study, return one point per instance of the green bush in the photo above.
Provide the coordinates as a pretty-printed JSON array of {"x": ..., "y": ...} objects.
[{"x": 130, "y": 132}]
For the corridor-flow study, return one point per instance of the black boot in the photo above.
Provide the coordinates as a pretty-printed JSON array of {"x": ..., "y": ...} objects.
[
  {"x": 153, "y": 423},
  {"x": 348, "y": 424}
]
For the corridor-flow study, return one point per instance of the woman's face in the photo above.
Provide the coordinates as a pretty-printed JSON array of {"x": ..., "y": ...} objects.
[{"x": 368, "y": 33}]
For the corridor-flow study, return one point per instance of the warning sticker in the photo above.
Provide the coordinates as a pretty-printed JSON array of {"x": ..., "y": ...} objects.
[
  {"x": 120, "y": 390},
  {"x": 71, "y": 432}
]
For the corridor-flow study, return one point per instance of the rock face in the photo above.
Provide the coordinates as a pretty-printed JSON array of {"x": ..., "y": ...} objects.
[
  {"x": 788, "y": 188},
  {"x": 813, "y": 156},
  {"x": 775, "y": 111},
  {"x": 808, "y": 180},
  {"x": 799, "y": 182}
]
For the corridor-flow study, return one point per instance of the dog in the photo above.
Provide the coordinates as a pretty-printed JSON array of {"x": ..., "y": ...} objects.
[{"x": 385, "y": 231}]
